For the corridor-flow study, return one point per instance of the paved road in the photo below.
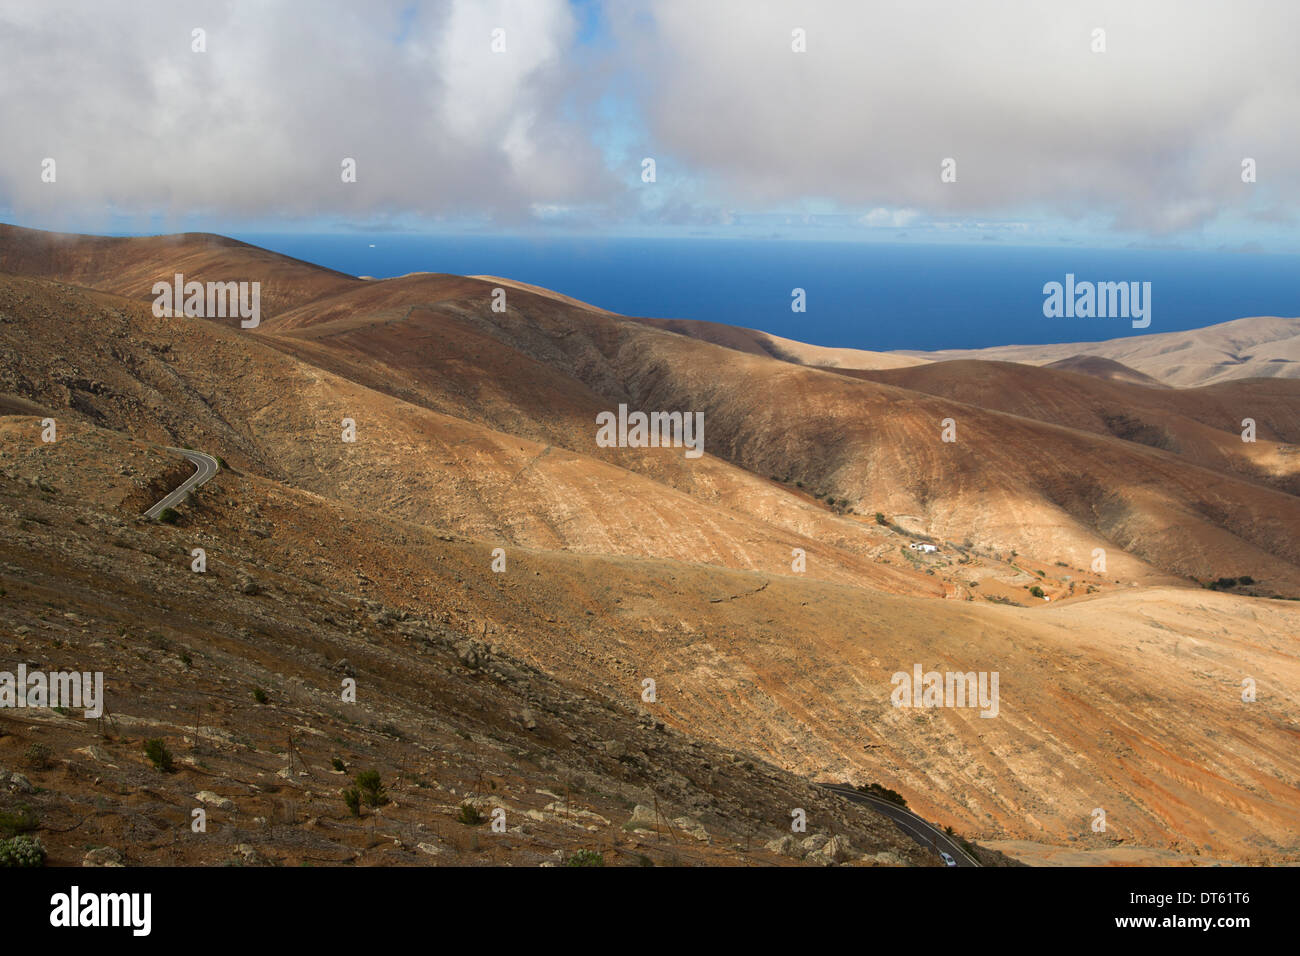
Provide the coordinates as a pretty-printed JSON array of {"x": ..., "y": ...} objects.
[
  {"x": 926, "y": 834},
  {"x": 206, "y": 466}
]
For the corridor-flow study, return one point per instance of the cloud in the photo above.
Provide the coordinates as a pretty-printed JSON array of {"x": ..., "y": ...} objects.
[
  {"x": 897, "y": 218},
  {"x": 1146, "y": 138},
  {"x": 1151, "y": 132},
  {"x": 258, "y": 125}
]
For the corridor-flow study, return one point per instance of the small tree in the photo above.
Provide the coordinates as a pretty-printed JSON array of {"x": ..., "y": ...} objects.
[
  {"x": 159, "y": 755},
  {"x": 372, "y": 790},
  {"x": 352, "y": 797}
]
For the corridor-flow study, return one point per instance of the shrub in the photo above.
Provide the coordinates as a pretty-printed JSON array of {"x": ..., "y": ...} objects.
[
  {"x": 37, "y": 756},
  {"x": 339, "y": 765},
  {"x": 585, "y": 858},
  {"x": 469, "y": 815},
  {"x": 372, "y": 790},
  {"x": 259, "y": 695},
  {"x": 883, "y": 793},
  {"x": 352, "y": 797},
  {"x": 22, "y": 820},
  {"x": 880, "y": 519},
  {"x": 169, "y": 516},
  {"x": 22, "y": 851},
  {"x": 159, "y": 755},
  {"x": 1036, "y": 591}
]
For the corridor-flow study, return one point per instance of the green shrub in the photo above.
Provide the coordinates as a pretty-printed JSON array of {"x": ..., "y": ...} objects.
[
  {"x": 585, "y": 858},
  {"x": 22, "y": 851},
  {"x": 159, "y": 755},
  {"x": 352, "y": 797},
  {"x": 883, "y": 793},
  {"x": 339, "y": 765},
  {"x": 259, "y": 695},
  {"x": 169, "y": 516},
  {"x": 372, "y": 790},
  {"x": 880, "y": 519},
  {"x": 469, "y": 815},
  {"x": 1036, "y": 591},
  {"x": 38, "y": 756},
  {"x": 21, "y": 820}
]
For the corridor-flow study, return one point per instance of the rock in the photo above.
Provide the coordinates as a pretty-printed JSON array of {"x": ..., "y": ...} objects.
[
  {"x": 95, "y": 752},
  {"x": 249, "y": 854},
  {"x": 692, "y": 828},
  {"x": 836, "y": 850},
  {"x": 886, "y": 858},
  {"x": 786, "y": 846},
  {"x": 246, "y": 585},
  {"x": 615, "y": 748},
  {"x": 214, "y": 800},
  {"x": 473, "y": 654},
  {"x": 643, "y": 818},
  {"x": 527, "y": 719},
  {"x": 814, "y": 843},
  {"x": 429, "y": 848},
  {"x": 103, "y": 856},
  {"x": 20, "y": 783}
]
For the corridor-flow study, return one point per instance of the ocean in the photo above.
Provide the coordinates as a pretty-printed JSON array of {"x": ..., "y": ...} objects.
[{"x": 859, "y": 295}]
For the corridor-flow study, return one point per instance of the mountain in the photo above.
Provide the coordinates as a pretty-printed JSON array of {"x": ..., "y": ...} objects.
[
  {"x": 1105, "y": 368},
  {"x": 1258, "y": 347},
  {"x": 475, "y": 431}
]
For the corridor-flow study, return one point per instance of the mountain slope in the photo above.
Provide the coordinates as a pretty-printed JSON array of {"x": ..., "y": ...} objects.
[{"x": 1257, "y": 347}]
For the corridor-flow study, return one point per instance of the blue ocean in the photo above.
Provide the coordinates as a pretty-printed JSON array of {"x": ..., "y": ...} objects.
[{"x": 859, "y": 295}]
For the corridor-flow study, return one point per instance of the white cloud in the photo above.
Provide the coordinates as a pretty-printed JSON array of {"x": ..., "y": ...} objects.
[
  {"x": 258, "y": 125},
  {"x": 1147, "y": 137},
  {"x": 1151, "y": 132}
]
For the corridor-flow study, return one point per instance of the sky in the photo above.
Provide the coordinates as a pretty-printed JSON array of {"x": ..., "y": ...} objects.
[{"x": 810, "y": 120}]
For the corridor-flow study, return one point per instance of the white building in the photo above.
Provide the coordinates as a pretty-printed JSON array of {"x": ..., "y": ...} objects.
[{"x": 923, "y": 546}]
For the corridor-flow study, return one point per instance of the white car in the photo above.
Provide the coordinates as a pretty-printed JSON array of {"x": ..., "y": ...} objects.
[{"x": 947, "y": 860}]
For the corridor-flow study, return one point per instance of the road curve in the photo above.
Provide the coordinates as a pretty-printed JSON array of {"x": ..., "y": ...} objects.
[
  {"x": 205, "y": 467},
  {"x": 921, "y": 831}
]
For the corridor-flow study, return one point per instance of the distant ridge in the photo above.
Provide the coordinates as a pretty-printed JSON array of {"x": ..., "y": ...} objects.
[
  {"x": 1255, "y": 347},
  {"x": 1099, "y": 367}
]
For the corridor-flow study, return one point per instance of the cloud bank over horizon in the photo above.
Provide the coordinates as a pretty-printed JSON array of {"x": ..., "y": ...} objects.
[{"x": 1052, "y": 140}]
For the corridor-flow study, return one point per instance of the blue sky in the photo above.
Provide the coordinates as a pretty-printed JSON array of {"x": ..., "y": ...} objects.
[{"x": 1059, "y": 135}]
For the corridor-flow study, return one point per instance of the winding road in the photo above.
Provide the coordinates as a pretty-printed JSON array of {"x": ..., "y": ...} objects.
[
  {"x": 922, "y": 832},
  {"x": 205, "y": 467}
]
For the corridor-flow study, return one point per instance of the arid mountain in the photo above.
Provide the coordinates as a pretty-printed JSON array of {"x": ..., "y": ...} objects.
[
  {"x": 1202, "y": 425},
  {"x": 1102, "y": 368},
  {"x": 130, "y": 267},
  {"x": 763, "y": 343},
  {"x": 767, "y": 588},
  {"x": 1257, "y": 347}
]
